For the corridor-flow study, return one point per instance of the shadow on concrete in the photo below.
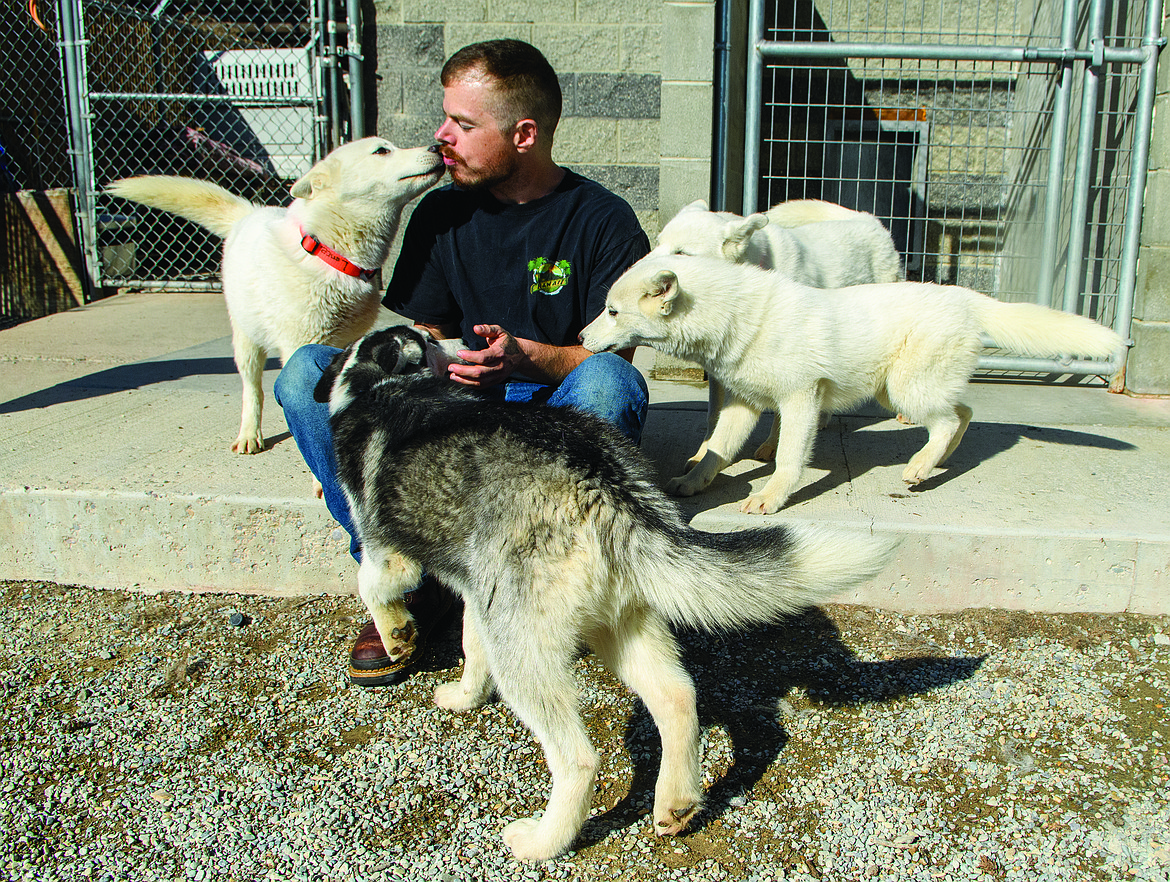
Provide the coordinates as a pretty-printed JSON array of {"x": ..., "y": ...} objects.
[{"x": 124, "y": 378}]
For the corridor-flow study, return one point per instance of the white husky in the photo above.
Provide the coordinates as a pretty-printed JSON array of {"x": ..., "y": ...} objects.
[
  {"x": 812, "y": 242},
  {"x": 306, "y": 273},
  {"x": 815, "y": 243},
  {"x": 772, "y": 343}
]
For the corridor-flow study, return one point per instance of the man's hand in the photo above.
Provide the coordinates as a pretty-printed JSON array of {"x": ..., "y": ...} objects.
[{"x": 490, "y": 366}]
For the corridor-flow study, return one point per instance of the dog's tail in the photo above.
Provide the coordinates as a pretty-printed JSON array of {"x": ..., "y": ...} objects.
[
  {"x": 720, "y": 581},
  {"x": 205, "y": 203},
  {"x": 798, "y": 212},
  {"x": 1031, "y": 329}
]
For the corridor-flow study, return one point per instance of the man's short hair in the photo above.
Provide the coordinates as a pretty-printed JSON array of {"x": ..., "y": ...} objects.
[{"x": 527, "y": 84}]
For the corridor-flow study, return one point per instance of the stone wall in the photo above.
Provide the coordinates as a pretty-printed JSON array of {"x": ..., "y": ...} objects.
[{"x": 619, "y": 92}]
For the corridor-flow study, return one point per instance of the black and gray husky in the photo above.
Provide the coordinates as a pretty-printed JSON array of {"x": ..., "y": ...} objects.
[{"x": 550, "y": 526}]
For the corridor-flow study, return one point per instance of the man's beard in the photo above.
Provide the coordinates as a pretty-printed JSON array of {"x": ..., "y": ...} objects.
[{"x": 482, "y": 178}]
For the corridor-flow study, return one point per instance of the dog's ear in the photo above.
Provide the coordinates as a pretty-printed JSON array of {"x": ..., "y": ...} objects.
[
  {"x": 324, "y": 387},
  {"x": 697, "y": 205},
  {"x": 317, "y": 178},
  {"x": 738, "y": 235},
  {"x": 398, "y": 351},
  {"x": 664, "y": 290}
]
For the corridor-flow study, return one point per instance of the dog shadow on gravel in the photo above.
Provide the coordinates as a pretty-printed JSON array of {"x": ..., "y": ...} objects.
[{"x": 743, "y": 682}]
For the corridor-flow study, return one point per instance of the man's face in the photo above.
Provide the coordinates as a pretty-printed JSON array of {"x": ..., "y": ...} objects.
[{"x": 476, "y": 152}]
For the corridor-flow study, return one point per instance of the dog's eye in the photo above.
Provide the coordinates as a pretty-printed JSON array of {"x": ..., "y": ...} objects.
[
  {"x": 612, "y": 311},
  {"x": 382, "y": 151}
]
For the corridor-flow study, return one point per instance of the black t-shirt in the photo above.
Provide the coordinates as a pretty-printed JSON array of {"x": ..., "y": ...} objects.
[{"x": 540, "y": 270}]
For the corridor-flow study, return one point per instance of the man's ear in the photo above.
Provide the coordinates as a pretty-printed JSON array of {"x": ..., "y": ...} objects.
[
  {"x": 664, "y": 290},
  {"x": 524, "y": 135},
  {"x": 739, "y": 234}
]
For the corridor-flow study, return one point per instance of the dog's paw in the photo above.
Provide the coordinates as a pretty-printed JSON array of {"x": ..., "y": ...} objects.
[
  {"x": 761, "y": 504},
  {"x": 684, "y": 485},
  {"x": 672, "y": 820},
  {"x": 318, "y": 490},
  {"x": 916, "y": 473},
  {"x": 765, "y": 452},
  {"x": 455, "y": 697},
  {"x": 524, "y": 839},
  {"x": 248, "y": 443}
]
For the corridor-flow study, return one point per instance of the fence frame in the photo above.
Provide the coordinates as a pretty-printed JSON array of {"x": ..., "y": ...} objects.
[{"x": 1066, "y": 57}]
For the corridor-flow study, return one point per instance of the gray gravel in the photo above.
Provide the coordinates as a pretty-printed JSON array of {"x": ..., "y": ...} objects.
[{"x": 215, "y": 737}]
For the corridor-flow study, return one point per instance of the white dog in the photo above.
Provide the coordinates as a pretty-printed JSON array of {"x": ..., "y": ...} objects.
[
  {"x": 815, "y": 243},
  {"x": 772, "y": 343},
  {"x": 812, "y": 242},
  {"x": 306, "y": 273}
]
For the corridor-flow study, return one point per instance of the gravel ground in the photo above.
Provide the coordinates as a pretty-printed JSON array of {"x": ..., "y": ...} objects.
[{"x": 215, "y": 737}]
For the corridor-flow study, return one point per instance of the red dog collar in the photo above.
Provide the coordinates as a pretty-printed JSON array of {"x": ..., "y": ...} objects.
[{"x": 313, "y": 246}]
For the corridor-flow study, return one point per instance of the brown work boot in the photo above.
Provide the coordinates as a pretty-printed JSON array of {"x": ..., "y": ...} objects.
[{"x": 369, "y": 664}]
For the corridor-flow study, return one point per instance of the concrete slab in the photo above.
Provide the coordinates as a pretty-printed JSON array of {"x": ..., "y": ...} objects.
[{"x": 116, "y": 471}]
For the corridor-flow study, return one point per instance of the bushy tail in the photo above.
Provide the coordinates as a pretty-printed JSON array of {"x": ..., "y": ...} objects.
[
  {"x": 731, "y": 580},
  {"x": 1030, "y": 329},
  {"x": 207, "y": 204},
  {"x": 798, "y": 212}
]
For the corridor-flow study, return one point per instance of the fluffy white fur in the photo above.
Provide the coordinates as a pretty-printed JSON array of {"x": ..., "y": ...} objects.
[
  {"x": 772, "y": 343},
  {"x": 279, "y": 297},
  {"x": 812, "y": 242}
]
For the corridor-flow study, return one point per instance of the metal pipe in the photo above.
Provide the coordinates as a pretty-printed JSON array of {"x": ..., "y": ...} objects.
[
  {"x": 71, "y": 48},
  {"x": 320, "y": 119},
  {"x": 1019, "y": 364},
  {"x": 1086, "y": 134},
  {"x": 332, "y": 71},
  {"x": 1062, "y": 103},
  {"x": 752, "y": 114},
  {"x": 171, "y": 285},
  {"x": 250, "y": 101},
  {"x": 357, "y": 93},
  {"x": 722, "y": 78},
  {"x": 1147, "y": 87},
  {"x": 960, "y": 52}
]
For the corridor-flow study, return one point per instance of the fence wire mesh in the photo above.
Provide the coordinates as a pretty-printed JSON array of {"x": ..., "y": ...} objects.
[
  {"x": 953, "y": 154},
  {"x": 33, "y": 123},
  {"x": 223, "y": 91}
]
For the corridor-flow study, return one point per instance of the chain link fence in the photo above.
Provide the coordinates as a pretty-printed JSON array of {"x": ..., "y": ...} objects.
[
  {"x": 247, "y": 95},
  {"x": 39, "y": 260},
  {"x": 223, "y": 91}
]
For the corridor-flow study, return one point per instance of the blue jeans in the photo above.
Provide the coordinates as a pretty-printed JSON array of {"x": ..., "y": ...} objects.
[{"x": 604, "y": 384}]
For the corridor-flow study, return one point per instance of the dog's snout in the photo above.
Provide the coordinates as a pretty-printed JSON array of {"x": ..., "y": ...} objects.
[{"x": 435, "y": 148}]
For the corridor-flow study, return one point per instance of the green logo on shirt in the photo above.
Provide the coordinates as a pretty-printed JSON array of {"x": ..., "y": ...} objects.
[{"x": 548, "y": 277}]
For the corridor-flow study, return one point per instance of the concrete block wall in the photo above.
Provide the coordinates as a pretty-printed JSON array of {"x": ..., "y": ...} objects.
[
  {"x": 633, "y": 120},
  {"x": 1148, "y": 370}
]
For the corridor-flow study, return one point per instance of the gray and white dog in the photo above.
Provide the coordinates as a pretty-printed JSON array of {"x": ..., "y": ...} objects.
[{"x": 550, "y": 526}]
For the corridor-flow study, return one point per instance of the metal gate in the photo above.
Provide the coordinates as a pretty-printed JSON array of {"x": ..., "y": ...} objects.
[
  {"x": 1003, "y": 143},
  {"x": 246, "y": 95}
]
